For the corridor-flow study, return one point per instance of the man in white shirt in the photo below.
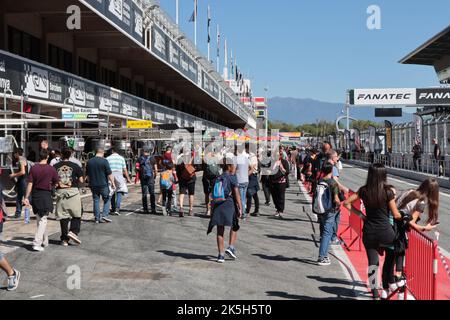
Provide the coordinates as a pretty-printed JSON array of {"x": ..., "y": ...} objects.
[{"x": 119, "y": 170}]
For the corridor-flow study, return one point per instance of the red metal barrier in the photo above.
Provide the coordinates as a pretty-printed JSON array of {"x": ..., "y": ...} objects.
[
  {"x": 421, "y": 266},
  {"x": 421, "y": 260},
  {"x": 354, "y": 227}
]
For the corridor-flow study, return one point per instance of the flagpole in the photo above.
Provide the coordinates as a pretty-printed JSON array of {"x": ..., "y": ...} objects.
[
  {"x": 225, "y": 67},
  {"x": 177, "y": 11},
  {"x": 195, "y": 21}
]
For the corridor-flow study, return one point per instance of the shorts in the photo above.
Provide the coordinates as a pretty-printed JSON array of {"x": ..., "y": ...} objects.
[
  {"x": 187, "y": 188},
  {"x": 208, "y": 186}
]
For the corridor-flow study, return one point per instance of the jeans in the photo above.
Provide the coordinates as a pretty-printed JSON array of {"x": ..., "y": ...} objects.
[
  {"x": 266, "y": 188},
  {"x": 116, "y": 201},
  {"x": 249, "y": 203},
  {"x": 337, "y": 220},
  {"x": 148, "y": 186},
  {"x": 21, "y": 190},
  {"x": 243, "y": 191},
  {"x": 327, "y": 221},
  {"x": 103, "y": 192}
]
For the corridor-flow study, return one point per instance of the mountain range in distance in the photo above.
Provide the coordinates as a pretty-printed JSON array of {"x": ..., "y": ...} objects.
[{"x": 304, "y": 111}]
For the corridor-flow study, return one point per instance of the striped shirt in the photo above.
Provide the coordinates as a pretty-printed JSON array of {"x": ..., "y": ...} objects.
[{"x": 116, "y": 162}]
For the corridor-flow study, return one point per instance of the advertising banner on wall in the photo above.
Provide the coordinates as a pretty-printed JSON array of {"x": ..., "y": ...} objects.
[
  {"x": 168, "y": 50},
  {"x": 402, "y": 97},
  {"x": 372, "y": 138},
  {"x": 125, "y": 14},
  {"x": 433, "y": 96},
  {"x": 418, "y": 128},
  {"x": 388, "y": 126},
  {"x": 371, "y": 97}
]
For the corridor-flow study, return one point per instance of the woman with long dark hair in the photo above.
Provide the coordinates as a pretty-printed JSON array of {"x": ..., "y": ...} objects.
[
  {"x": 415, "y": 203},
  {"x": 279, "y": 183},
  {"x": 379, "y": 200}
]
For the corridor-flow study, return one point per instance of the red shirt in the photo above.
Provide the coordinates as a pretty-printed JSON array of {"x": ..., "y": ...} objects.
[{"x": 43, "y": 177}]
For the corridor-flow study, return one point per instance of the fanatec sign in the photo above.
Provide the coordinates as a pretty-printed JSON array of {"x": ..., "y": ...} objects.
[{"x": 402, "y": 97}]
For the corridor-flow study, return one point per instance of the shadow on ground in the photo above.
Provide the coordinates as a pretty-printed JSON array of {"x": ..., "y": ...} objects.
[{"x": 187, "y": 256}]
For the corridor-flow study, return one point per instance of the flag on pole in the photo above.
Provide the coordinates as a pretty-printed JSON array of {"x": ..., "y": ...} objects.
[
  {"x": 194, "y": 14},
  {"x": 209, "y": 24},
  {"x": 218, "y": 41},
  {"x": 218, "y": 49},
  {"x": 232, "y": 65}
]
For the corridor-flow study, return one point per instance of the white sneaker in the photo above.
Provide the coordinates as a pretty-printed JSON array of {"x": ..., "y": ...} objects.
[
  {"x": 13, "y": 281},
  {"x": 74, "y": 237},
  {"x": 38, "y": 248},
  {"x": 385, "y": 294},
  {"x": 107, "y": 220}
]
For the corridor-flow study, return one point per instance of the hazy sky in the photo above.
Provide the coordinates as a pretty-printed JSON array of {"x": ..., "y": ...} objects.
[{"x": 320, "y": 48}]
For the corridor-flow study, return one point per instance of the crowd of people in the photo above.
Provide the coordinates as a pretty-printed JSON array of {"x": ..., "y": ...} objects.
[{"x": 231, "y": 182}]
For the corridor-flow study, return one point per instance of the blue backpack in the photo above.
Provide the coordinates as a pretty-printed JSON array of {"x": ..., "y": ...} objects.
[
  {"x": 222, "y": 190},
  {"x": 146, "y": 167}
]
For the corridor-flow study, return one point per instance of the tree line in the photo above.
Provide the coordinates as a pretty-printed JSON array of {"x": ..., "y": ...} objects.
[{"x": 320, "y": 128}]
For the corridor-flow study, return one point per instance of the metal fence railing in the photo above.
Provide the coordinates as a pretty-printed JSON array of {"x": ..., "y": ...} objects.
[{"x": 407, "y": 162}]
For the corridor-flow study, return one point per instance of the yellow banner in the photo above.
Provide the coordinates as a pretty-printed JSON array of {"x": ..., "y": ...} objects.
[{"x": 143, "y": 124}]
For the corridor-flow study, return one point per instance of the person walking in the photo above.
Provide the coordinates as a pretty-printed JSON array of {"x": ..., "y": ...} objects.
[
  {"x": 293, "y": 160},
  {"x": 227, "y": 210},
  {"x": 68, "y": 199},
  {"x": 242, "y": 174},
  {"x": 278, "y": 182},
  {"x": 12, "y": 274},
  {"x": 253, "y": 186},
  {"x": 167, "y": 182},
  {"x": 378, "y": 234},
  {"x": 187, "y": 179},
  {"x": 211, "y": 171},
  {"x": 121, "y": 178},
  {"x": 149, "y": 170},
  {"x": 265, "y": 166},
  {"x": 21, "y": 179},
  {"x": 41, "y": 180},
  {"x": 99, "y": 176}
]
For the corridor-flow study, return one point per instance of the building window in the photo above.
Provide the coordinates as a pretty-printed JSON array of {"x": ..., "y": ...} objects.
[
  {"x": 139, "y": 90},
  {"x": 125, "y": 84},
  {"x": 24, "y": 44},
  {"x": 59, "y": 58},
  {"x": 151, "y": 94},
  {"x": 87, "y": 69},
  {"x": 108, "y": 77},
  {"x": 161, "y": 98}
]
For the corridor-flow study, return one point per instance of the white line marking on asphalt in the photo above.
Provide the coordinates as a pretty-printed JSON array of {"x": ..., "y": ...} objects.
[
  {"x": 38, "y": 296},
  {"x": 129, "y": 214}
]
